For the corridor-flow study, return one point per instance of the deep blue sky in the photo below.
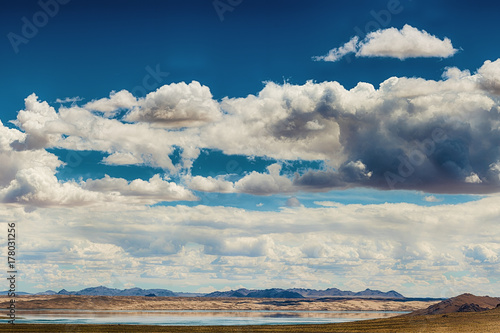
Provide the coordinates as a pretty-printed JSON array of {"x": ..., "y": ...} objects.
[{"x": 92, "y": 47}]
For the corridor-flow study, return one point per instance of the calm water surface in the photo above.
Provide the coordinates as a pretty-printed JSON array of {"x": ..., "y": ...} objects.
[{"x": 196, "y": 317}]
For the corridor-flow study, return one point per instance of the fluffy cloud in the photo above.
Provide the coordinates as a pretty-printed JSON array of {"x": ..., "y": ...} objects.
[
  {"x": 489, "y": 76},
  {"x": 210, "y": 184},
  {"x": 117, "y": 100},
  {"x": 481, "y": 253},
  {"x": 177, "y": 105},
  {"x": 409, "y": 133},
  {"x": 293, "y": 202},
  {"x": 39, "y": 187},
  {"x": 339, "y": 52},
  {"x": 254, "y": 183},
  {"x": 265, "y": 184},
  {"x": 431, "y": 198},
  {"x": 352, "y": 172},
  {"x": 282, "y": 122},
  {"x": 174, "y": 105},
  {"x": 69, "y": 100},
  {"x": 240, "y": 246},
  {"x": 473, "y": 178},
  {"x": 28, "y": 176},
  {"x": 39, "y": 122},
  {"x": 76, "y": 128},
  {"x": 152, "y": 191},
  {"x": 388, "y": 246},
  {"x": 409, "y": 42}
]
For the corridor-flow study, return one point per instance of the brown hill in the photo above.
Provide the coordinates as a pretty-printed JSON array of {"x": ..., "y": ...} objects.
[{"x": 461, "y": 303}]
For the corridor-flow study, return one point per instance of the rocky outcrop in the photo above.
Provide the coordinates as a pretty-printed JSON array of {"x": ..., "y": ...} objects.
[{"x": 461, "y": 303}]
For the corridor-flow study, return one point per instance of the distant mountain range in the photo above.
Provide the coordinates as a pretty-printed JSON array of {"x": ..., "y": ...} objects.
[
  {"x": 254, "y": 293},
  {"x": 268, "y": 293},
  {"x": 105, "y": 291},
  {"x": 5, "y": 292},
  {"x": 303, "y": 293},
  {"x": 334, "y": 292}
]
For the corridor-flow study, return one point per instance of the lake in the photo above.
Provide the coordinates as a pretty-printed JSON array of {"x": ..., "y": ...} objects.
[{"x": 196, "y": 317}]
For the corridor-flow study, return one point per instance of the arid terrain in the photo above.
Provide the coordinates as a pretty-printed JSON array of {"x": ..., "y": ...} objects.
[
  {"x": 462, "y": 322},
  {"x": 464, "y": 313},
  {"x": 461, "y": 303}
]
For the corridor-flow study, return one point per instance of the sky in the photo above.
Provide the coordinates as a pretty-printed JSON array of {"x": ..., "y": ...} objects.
[{"x": 212, "y": 145}]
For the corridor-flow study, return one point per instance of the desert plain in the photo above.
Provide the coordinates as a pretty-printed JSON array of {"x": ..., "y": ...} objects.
[{"x": 417, "y": 321}]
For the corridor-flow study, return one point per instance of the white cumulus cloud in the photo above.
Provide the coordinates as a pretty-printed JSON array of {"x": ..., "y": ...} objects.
[
  {"x": 432, "y": 198},
  {"x": 409, "y": 133},
  {"x": 379, "y": 244},
  {"x": 408, "y": 42},
  {"x": 117, "y": 100},
  {"x": 177, "y": 105}
]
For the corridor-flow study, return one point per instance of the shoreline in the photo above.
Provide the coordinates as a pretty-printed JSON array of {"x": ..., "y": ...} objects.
[{"x": 487, "y": 321}]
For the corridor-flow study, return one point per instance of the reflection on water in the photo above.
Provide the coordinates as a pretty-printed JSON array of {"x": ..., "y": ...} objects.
[{"x": 196, "y": 318}]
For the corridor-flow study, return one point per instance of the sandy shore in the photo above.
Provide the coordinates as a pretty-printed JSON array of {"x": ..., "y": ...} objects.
[
  {"x": 465, "y": 322},
  {"x": 201, "y": 303},
  {"x": 487, "y": 321}
]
